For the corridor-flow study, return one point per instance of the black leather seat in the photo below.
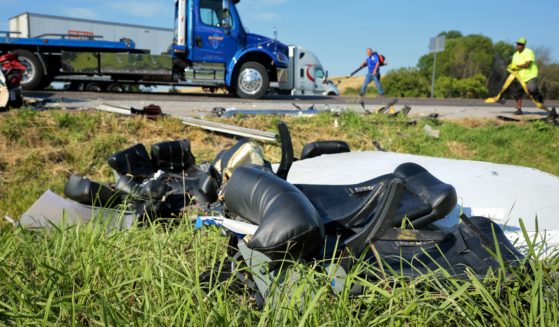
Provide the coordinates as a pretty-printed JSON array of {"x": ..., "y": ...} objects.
[
  {"x": 288, "y": 222},
  {"x": 425, "y": 198},
  {"x": 440, "y": 197}
]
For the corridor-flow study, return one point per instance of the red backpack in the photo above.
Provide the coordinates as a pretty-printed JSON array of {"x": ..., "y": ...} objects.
[{"x": 381, "y": 59}]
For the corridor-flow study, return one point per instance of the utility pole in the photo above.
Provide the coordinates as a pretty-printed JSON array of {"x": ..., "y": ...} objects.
[{"x": 436, "y": 45}]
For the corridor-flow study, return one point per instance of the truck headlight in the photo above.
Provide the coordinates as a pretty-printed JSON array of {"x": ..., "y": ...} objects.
[{"x": 282, "y": 57}]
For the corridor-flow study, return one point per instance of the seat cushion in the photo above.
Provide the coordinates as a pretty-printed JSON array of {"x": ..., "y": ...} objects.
[
  {"x": 173, "y": 156},
  {"x": 425, "y": 198},
  {"x": 133, "y": 161},
  {"x": 337, "y": 203},
  {"x": 288, "y": 222},
  {"x": 441, "y": 197}
]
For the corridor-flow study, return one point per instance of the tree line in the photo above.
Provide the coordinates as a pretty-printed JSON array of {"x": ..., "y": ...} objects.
[{"x": 472, "y": 66}]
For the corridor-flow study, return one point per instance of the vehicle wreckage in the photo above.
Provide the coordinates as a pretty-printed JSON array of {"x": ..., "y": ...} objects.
[
  {"x": 11, "y": 74},
  {"x": 388, "y": 209}
]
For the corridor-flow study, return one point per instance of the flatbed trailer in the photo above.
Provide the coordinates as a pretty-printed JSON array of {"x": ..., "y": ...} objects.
[{"x": 42, "y": 56}]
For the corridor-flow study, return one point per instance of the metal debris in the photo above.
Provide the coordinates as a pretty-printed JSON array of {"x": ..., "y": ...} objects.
[
  {"x": 230, "y": 112},
  {"x": 435, "y": 133},
  {"x": 151, "y": 112},
  {"x": 51, "y": 209},
  {"x": 230, "y": 129}
]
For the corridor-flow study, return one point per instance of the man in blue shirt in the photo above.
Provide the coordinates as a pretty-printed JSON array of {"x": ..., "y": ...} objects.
[{"x": 373, "y": 73}]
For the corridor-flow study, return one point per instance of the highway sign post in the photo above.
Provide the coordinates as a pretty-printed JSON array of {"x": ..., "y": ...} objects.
[{"x": 436, "y": 45}]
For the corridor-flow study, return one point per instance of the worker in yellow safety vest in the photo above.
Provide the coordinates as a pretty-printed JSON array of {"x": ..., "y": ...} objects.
[{"x": 524, "y": 64}]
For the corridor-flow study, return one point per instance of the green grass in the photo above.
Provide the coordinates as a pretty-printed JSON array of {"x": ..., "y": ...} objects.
[{"x": 84, "y": 276}]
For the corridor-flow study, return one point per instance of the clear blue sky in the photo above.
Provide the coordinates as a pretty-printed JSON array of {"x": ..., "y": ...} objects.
[{"x": 339, "y": 31}]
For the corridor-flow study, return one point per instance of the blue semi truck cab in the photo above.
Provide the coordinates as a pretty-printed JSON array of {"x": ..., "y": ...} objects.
[
  {"x": 211, "y": 48},
  {"x": 210, "y": 38}
]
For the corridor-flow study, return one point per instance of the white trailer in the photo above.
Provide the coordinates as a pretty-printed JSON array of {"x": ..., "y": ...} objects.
[{"x": 31, "y": 25}]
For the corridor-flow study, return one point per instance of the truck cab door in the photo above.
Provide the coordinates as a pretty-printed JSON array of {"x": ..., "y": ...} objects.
[{"x": 214, "y": 41}]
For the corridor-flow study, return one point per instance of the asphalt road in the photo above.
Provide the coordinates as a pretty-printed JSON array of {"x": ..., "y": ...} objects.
[{"x": 193, "y": 104}]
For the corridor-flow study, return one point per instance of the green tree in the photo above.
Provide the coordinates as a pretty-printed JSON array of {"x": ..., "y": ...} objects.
[
  {"x": 463, "y": 57},
  {"x": 549, "y": 81},
  {"x": 452, "y": 34}
]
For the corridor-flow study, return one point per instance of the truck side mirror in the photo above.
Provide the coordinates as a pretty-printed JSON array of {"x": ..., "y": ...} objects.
[{"x": 325, "y": 79}]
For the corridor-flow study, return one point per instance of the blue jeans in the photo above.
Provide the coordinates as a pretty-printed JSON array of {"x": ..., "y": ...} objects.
[{"x": 368, "y": 79}]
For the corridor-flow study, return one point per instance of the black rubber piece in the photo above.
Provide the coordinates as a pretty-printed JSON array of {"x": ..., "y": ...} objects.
[
  {"x": 381, "y": 222},
  {"x": 287, "y": 156},
  {"x": 319, "y": 148},
  {"x": 84, "y": 191}
]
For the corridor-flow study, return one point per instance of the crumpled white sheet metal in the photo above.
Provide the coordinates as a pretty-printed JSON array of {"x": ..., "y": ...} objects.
[{"x": 51, "y": 209}]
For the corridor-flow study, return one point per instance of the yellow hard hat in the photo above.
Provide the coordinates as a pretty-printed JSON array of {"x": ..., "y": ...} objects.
[{"x": 522, "y": 40}]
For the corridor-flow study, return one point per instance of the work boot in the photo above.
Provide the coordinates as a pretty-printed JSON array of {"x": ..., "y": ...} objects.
[
  {"x": 518, "y": 111},
  {"x": 502, "y": 100}
]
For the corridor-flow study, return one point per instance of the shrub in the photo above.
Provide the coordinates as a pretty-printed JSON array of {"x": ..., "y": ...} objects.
[
  {"x": 405, "y": 82},
  {"x": 468, "y": 88}
]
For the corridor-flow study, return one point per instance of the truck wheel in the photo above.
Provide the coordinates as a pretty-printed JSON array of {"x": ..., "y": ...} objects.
[
  {"x": 252, "y": 81},
  {"x": 34, "y": 74},
  {"x": 93, "y": 87},
  {"x": 115, "y": 88}
]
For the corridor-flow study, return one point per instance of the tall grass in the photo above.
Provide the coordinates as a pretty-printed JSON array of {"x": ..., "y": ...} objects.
[{"x": 148, "y": 276}]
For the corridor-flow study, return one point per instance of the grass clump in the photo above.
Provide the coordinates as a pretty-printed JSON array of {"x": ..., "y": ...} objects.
[{"x": 84, "y": 276}]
